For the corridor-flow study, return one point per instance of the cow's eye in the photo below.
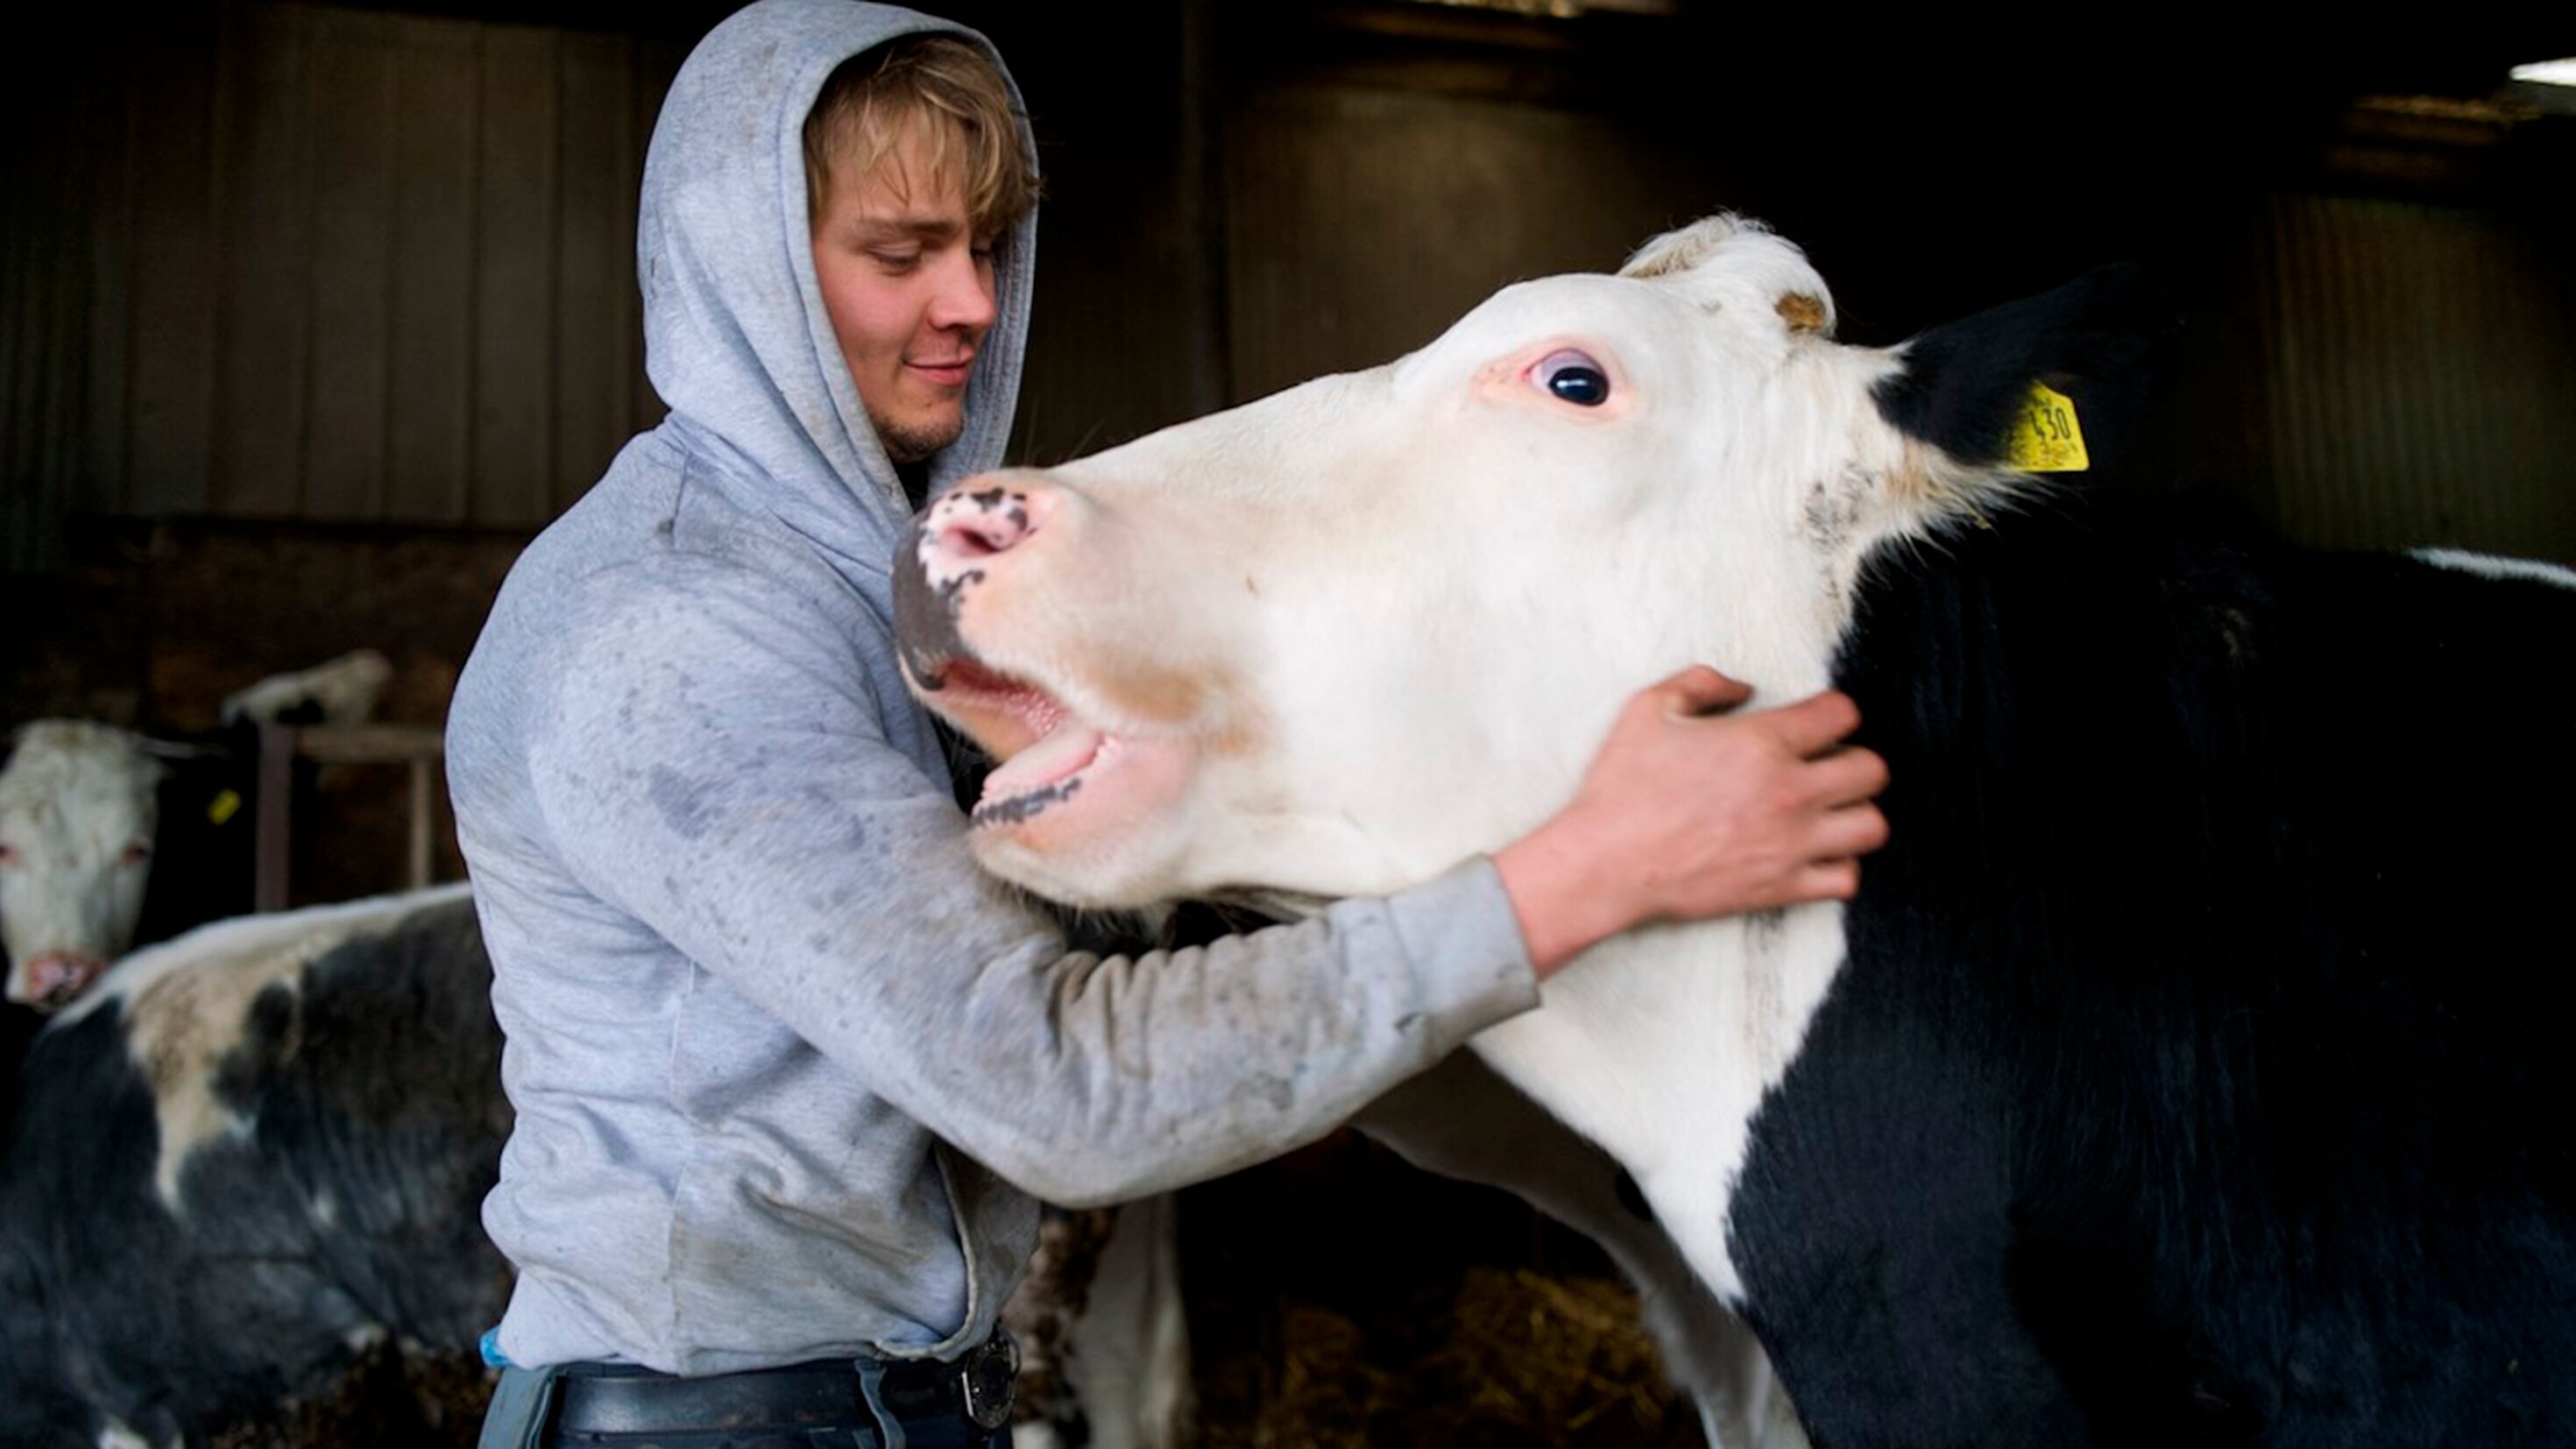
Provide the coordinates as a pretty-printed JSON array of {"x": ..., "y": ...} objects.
[
  {"x": 1574, "y": 377},
  {"x": 8, "y": 855},
  {"x": 137, "y": 852}
]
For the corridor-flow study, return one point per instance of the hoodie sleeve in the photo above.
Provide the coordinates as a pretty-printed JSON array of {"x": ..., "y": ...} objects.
[{"x": 711, "y": 760}]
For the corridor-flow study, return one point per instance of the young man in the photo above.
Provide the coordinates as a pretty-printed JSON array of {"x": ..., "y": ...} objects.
[{"x": 787, "y": 1068}]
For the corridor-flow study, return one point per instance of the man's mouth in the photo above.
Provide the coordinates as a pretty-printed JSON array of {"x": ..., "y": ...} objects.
[{"x": 949, "y": 372}]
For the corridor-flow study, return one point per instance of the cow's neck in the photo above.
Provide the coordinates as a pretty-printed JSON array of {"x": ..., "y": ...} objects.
[{"x": 1660, "y": 1045}]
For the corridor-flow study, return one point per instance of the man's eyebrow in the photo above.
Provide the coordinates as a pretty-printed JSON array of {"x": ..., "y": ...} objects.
[{"x": 908, "y": 228}]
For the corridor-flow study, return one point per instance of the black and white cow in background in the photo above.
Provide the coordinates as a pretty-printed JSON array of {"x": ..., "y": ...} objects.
[
  {"x": 257, "y": 1150},
  {"x": 2190, "y": 1068},
  {"x": 88, "y": 814},
  {"x": 109, "y": 838},
  {"x": 250, "y": 1154}
]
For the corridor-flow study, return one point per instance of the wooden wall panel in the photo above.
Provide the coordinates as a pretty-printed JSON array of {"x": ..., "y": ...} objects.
[
  {"x": 349, "y": 384},
  {"x": 170, "y": 324},
  {"x": 1362, "y": 223},
  {"x": 439, "y": 85},
  {"x": 517, "y": 232},
  {"x": 358, "y": 265},
  {"x": 351, "y": 266},
  {"x": 44, "y": 299},
  {"x": 597, "y": 317},
  {"x": 104, "y": 151},
  {"x": 2420, "y": 362},
  {"x": 264, "y": 127}
]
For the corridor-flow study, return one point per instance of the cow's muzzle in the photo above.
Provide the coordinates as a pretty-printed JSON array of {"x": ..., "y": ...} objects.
[
  {"x": 55, "y": 980},
  {"x": 947, "y": 552}
]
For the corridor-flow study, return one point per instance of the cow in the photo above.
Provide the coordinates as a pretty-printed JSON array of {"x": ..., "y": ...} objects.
[
  {"x": 257, "y": 1152},
  {"x": 1102, "y": 1334},
  {"x": 250, "y": 1155},
  {"x": 87, "y": 808},
  {"x": 2186, "y": 1069},
  {"x": 78, "y": 813}
]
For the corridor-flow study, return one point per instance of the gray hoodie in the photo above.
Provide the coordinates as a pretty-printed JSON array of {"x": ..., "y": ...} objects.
[{"x": 765, "y": 1017}]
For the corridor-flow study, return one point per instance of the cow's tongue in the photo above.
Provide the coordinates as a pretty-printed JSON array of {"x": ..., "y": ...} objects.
[{"x": 1064, "y": 751}]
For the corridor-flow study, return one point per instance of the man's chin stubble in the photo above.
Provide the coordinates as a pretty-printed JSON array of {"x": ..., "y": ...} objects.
[{"x": 911, "y": 444}]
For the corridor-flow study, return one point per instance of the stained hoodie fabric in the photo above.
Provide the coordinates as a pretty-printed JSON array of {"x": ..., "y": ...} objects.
[{"x": 765, "y": 1018}]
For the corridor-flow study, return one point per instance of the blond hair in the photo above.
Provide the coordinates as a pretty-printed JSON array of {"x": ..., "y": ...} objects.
[{"x": 946, "y": 94}]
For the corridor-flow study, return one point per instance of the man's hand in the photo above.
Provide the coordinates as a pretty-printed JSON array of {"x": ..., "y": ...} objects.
[{"x": 1689, "y": 812}]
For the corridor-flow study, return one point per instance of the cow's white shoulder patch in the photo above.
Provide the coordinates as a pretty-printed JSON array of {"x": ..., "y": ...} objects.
[
  {"x": 1660, "y": 1046},
  {"x": 188, "y": 999},
  {"x": 2496, "y": 566}
]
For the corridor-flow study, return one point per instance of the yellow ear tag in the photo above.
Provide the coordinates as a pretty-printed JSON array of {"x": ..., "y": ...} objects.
[
  {"x": 224, "y": 806},
  {"x": 2045, "y": 437}
]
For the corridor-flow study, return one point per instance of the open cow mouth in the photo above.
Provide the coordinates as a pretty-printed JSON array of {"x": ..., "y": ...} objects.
[
  {"x": 1050, "y": 752},
  {"x": 1046, "y": 752}
]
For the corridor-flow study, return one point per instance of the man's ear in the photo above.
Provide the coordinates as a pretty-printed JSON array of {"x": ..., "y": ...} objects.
[{"x": 2098, "y": 340}]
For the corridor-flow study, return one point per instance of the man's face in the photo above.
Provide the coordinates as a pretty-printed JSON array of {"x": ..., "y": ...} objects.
[{"x": 909, "y": 288}]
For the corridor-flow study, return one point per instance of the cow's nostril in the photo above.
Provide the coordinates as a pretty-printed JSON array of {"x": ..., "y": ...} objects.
[
  {"x": 55, "y": 980},
  {"x": 979, "y": 525},
  {"x": 978, "y": 541}
]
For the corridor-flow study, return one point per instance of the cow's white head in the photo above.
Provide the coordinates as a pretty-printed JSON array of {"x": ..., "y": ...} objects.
[
  {"x": 1337, "y": 640},
  {"x": 77, "y": 817}
]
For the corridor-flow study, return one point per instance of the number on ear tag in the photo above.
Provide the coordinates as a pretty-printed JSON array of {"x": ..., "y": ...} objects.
[{"x": 2045, "y": 436}]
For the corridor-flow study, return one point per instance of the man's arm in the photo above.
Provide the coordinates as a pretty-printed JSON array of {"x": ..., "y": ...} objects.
[{"x": 714, "y": 770}]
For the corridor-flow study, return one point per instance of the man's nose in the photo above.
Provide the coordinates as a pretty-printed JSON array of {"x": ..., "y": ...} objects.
[{"x": 965, "y": 295}]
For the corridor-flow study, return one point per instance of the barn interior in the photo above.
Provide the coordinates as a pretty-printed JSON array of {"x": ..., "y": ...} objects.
[{"x": 315, "y": 313}]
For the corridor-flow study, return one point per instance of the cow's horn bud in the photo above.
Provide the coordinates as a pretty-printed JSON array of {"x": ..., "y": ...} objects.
[{"x": 1802, "y": 312}]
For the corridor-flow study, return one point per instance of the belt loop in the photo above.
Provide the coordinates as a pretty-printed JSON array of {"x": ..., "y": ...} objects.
[
  {"x": 872, "y": 1390},
  {"x": 522, "y": 1409}
]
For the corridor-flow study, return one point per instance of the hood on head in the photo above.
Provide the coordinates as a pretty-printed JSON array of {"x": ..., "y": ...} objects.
[{"x": 736, "y": 340}]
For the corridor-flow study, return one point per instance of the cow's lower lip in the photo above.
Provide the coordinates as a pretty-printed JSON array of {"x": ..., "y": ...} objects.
[
  {"x": 1046, "y": 752},
  {"x": 1050, "y": 771}
]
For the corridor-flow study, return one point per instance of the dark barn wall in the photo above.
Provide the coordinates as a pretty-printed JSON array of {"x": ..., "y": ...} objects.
[
  {"x": 354, "y": 267},
  {"x": 294, "y": 289}
]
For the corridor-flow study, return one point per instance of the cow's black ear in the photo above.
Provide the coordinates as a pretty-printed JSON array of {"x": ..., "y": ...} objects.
[{"x": 2099, "y": 340}]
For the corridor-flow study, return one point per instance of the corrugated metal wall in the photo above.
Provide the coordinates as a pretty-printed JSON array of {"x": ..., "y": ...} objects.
[
  {"x": 292, "y": 262},
  {"x": 2419, "y": 363},
  {"x": 361, "y": 267},
  {"x": 44, "y": 306},
  {"x": 1361, "y": 223}
]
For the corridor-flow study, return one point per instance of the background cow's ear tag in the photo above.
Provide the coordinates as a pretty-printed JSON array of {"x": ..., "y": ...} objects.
[
  {"x": 2045, "y": 437},
  {"x": 223, "y": 807}
]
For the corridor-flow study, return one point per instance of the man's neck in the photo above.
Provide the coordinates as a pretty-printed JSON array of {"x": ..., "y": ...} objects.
[{"x": 915, "y": 477}]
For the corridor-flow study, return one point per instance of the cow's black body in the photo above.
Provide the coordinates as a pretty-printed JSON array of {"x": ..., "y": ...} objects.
[
  {"x": 2199, "y": 1073},
  {"x": 204, "y": 859},
  {"x": 375, "y": 1089}
]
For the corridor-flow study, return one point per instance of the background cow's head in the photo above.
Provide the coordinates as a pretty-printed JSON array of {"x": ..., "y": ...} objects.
[
  {"x": 1337, "y": 640},
  {"x": 78, "y": 812}
]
